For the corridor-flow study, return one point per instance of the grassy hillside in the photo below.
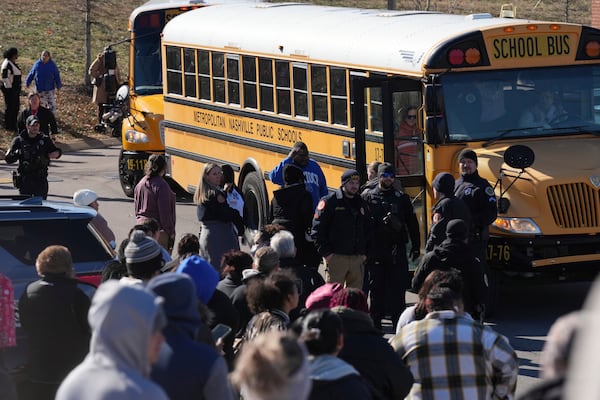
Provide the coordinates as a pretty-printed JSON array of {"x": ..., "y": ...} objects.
[{"x": 58, "y": 25}]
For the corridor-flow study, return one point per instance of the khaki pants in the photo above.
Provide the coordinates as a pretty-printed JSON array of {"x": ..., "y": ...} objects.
[{"x": 345, "y": 269}]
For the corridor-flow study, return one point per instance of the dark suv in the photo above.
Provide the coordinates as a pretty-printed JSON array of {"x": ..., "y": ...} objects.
[{"x": 27, "y": 226}]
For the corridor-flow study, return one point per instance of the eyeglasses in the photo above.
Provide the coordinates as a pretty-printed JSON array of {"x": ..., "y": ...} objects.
[
  {"x": 388, "y": 175},
  {"x": 411, "y": 117}
]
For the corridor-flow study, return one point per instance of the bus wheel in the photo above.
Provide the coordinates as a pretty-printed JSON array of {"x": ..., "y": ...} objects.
[
  {"x": 255, "y": 205},
  {"x": 126, "y": 180}
]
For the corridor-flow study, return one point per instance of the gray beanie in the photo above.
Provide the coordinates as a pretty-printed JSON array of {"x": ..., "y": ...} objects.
[{"x": 140, "y": 248}]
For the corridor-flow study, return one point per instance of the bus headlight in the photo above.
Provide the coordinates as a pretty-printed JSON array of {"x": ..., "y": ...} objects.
[
  {"x": 523, "y": 226},
  {"x": 136, "y": 136}
]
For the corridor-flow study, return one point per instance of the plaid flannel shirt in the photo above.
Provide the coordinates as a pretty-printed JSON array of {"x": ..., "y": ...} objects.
[{"x": 453, "y": 357}]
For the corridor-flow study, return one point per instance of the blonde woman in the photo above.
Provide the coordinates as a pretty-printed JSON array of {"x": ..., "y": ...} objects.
[{"x": 219, "y": 223}]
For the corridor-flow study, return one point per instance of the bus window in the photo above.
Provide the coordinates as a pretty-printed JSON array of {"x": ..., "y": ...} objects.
[
  {"x": 300, "y": 90},
  {"x": 249, "y": 76},
  {"x": 265, "y": 68},
  {"x": 318, "y": 74},
  {"x": 339, "y": 96},
  {"x": 233, "y": 79},
  {"x": 204, "y": 74},
  {"x": 408, "y": 136},
  {"x": 189, "y": 62},
  {"x": 282, "y": 68},
  {"x": 174, "y": 70},
  {"x": 375, "y": 110},
  {"x": 218, "y": 74}
]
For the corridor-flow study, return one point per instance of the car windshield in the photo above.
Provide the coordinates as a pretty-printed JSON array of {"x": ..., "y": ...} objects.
[{"x": 490, "y": 105}]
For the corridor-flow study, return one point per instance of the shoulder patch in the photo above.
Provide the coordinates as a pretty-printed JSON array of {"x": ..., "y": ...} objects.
[
  {"x": 321, "y": 205},
  {"x": 489, "y": 191}
]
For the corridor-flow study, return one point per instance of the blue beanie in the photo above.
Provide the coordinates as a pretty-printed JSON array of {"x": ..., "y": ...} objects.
[
  {"x": 179, "y": 294},
  {"x": 204, "y": 275}
]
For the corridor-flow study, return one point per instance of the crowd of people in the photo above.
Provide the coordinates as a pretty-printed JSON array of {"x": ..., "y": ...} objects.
[{"x": 213, "y": 321}]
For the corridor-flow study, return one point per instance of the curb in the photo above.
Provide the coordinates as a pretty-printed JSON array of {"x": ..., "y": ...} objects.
[{"x": 88, "y": 143}]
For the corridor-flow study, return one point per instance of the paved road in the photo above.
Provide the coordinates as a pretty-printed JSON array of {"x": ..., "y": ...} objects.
[{"x": 524, "y": 316}]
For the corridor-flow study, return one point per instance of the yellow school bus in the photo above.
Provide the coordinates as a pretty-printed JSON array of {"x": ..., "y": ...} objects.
[
  {"x": 140, "y": 132},
  {"x": 246, "y": 81}
]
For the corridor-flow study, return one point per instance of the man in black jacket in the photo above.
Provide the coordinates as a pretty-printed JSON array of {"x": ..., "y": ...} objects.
[
  {"x": 394, "y": 222},
  {"x": 340, "y": 232},
  {"x": 33, "y": 151},
  {"x": 447, "y": 208},
  {"x": 454, "y": 252}
]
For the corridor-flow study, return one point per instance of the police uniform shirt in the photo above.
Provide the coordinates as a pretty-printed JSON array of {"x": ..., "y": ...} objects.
[{"x": 479, "y": 196}]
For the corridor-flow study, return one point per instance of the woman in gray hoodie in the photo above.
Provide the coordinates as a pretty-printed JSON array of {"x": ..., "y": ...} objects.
[{"x": 126, "y": 323}]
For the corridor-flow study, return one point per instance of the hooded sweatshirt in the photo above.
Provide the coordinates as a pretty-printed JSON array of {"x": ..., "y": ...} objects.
[
  {"x": 333, "y": 378},
  {"x": 185, "y": 368},
  {"x": 122, "y": 319}
]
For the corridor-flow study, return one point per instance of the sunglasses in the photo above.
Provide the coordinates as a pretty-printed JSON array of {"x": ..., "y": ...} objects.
[
  {"x": 387, "y": 175},
  {"x": 411, "y": 117}
]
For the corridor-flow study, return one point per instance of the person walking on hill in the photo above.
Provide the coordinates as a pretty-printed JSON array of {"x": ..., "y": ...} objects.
[
  {"x": 11, "y": 87},
  {"x": 47, "y": 120},
  {"x": 47, "y": 80}
]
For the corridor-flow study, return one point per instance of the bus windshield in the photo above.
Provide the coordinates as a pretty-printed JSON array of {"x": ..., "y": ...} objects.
[
  {"x": 147, "y": 75},
  {"x": 536, "y": 102}
]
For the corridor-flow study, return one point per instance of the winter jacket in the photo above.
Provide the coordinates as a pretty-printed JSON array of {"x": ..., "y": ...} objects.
[
  {"x": 314, "y": 178},
  {"x": 53, "y": 313},
  {"x": 372, "y": 356},
  {"x": 46, "y": 76},
  {"x": 185, "y": 368},
  {"x": 335, "y": 379},
  {"x": 458, "y": 255},
  {"x": 122, "y": 319}
]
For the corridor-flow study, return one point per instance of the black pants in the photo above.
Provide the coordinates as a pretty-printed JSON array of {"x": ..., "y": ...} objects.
[
  {"x": 12, "y": 102},
  {"x": 34, "y": 185},
  {"x": 388, "y": 285}
]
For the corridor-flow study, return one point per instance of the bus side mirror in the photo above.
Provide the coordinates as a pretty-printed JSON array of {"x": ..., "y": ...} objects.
[
  {"x": 434, "y": 99},
  {"x": 435, "y": 130}
]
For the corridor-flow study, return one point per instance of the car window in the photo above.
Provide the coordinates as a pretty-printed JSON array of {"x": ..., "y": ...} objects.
[{"x": 26, "y": 239}]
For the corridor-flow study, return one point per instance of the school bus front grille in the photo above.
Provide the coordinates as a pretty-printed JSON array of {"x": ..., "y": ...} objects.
[{"x": 574, "y": 205}]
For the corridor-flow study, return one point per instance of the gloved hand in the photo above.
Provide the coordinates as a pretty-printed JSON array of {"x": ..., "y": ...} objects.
[{"x": 414, "y": 253}]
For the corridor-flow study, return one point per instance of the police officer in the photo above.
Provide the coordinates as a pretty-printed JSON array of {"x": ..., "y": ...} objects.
[
  {"x": 446, "y": 208},
  {"x": 455, "y": 253},
  {"x": 33, "y": 151},
  {"x": 340, "y": 228},
  {"x": 479, "y": 197},
  {"x": 394, "y": 221}
]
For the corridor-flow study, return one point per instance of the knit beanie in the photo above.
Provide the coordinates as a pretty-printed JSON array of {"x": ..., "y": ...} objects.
[
  {"x": 350, "y": 297},
  {"x": 456, "y": 229},
  {"x": 204, "y": 275},
  {"x": 385, "y": 168},
  {"x": 468, "y": 153},
  {"x": 140, "y": 248},
  {"x": 348, "y": 175},
  {"x": 444, "y": 183},
  {"x": 321, "y": 296}
]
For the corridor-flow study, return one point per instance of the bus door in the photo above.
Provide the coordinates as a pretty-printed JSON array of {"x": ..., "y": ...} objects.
[{"x": 387, "y": 129}]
